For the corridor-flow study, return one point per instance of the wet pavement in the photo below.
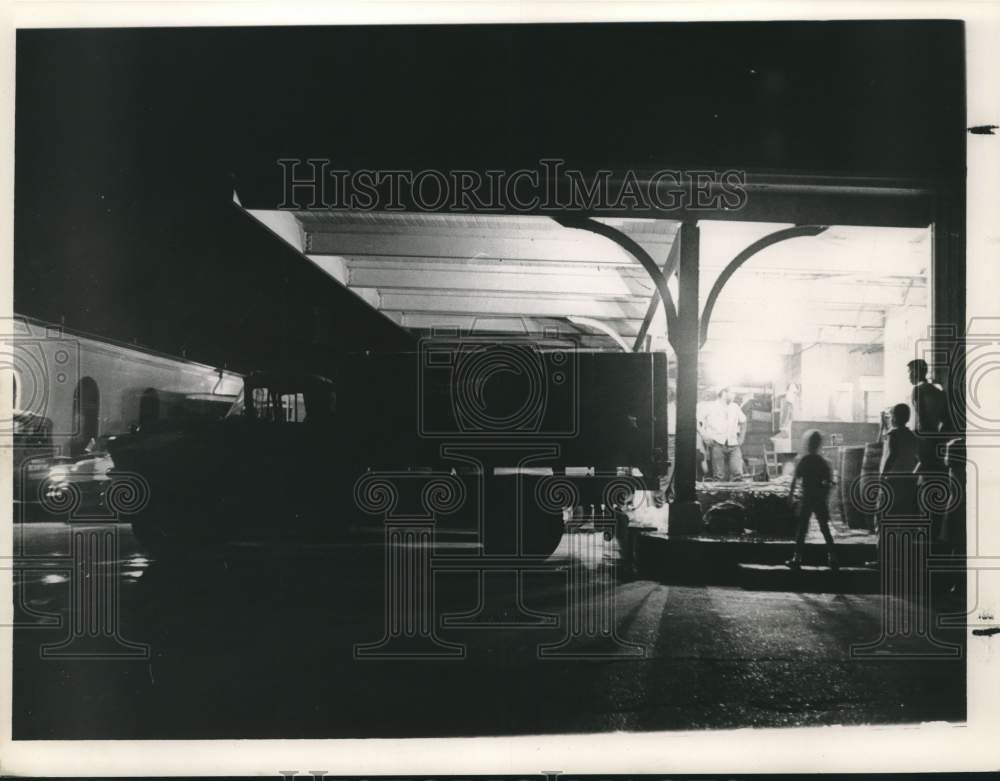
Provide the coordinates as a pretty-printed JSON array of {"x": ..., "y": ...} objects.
[{"x": 303, "y": 642}]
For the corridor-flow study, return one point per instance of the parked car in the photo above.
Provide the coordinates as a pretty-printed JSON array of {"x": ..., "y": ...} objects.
[
  {"x": 34, "y": 455},
  {"x": 76, "y": 485}
]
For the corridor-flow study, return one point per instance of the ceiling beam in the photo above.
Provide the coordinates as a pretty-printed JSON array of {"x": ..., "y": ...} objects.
[
  {"x": 511, "y": 305},
  {"x": 468, "y": 225},
  {"x": 723, "y": 332},
  {"x": 803, "y": 272},
  {"x": 739, "y": 322},
  {"x": 609, "y": 283},
  {"x": 845, "y": 296},
  {"x": 562, "y": 246},
  {"x": 478, "y": 279}
]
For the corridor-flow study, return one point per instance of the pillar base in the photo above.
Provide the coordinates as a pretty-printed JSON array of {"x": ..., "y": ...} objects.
[{"x": 685, "y": 518}]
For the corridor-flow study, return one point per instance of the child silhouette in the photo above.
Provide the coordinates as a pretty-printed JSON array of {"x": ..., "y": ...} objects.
[{"x": 816, "y": 476}]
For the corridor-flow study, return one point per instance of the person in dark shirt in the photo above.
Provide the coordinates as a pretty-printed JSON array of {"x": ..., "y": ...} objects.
[
  {"x": 931, "y": 424},
  {"x": 930, "y": 417},
  {"x": 816, "y": 476},
  {"x": 899, "y": 460}
]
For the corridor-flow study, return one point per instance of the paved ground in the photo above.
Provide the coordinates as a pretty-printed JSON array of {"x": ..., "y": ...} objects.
[{"x": 262, "y": 644}]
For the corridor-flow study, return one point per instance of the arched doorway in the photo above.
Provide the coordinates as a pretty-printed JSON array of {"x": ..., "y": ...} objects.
[
  {"x": 149, "y": 408},
  {"x": 86, "y": 413}
]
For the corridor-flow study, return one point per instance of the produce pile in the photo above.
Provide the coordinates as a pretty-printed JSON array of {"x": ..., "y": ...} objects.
[{"x": 741, "y": 508}]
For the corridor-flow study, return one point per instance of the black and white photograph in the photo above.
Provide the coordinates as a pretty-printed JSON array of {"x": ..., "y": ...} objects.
[{"x": 591, "y": 383}]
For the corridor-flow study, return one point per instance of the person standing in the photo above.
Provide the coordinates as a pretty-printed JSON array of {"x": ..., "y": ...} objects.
[
  {"x": 899, "y": 460},
  {"x": 817, "y": 477},
  {"x": 703, "y": 456},
  {"x": 930, "y": 414},
  {"x": 930, "y": 424},
  {"x": 897, "y": 481},
  {"x": 723, "y": 427},
  {"x": 671, "y": 424},
  {"x": 789, "y": 407}
]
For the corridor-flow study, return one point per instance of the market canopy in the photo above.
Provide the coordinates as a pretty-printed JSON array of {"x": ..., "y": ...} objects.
[{"x": 508, "y": 274}]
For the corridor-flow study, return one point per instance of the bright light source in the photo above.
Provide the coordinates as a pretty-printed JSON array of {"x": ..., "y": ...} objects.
[{"x": 732, "y": 363}]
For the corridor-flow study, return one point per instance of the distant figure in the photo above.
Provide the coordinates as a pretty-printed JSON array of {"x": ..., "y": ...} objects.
[
  {"x": 723, "y": 427},
  {"x": 817, "y": 477},
  {"x": 930, "y": 422},
  {"x": 671, "y": 424},
  {"x": 900, "y": 449},
  {"x": 884, "y": 423},
  {"x": 701, "y": 457},
  {"x": 789, "y": 407},
  {"x": 930, "y": 415},
  {"x": 899, "y": 460}
]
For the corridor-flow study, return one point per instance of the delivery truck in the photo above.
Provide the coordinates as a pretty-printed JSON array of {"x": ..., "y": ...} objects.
[{"x": 495, "y": 441}]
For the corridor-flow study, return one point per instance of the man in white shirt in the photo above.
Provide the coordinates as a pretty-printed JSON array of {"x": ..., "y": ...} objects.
[{"x": 723, "y": 426}]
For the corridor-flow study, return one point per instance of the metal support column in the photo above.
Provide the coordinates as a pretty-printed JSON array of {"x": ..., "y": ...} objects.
[
  {"x": 669, "y": 267},
  {"x": 685, "y": 512}
]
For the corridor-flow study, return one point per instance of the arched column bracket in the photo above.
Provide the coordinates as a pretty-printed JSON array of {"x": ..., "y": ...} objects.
[
  {"x": 743, "y": 257},
  {"x": 633, "y": 247}
]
